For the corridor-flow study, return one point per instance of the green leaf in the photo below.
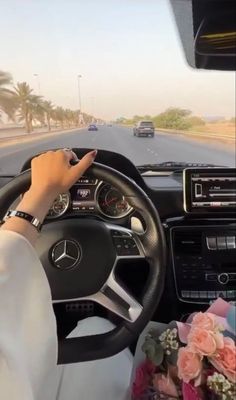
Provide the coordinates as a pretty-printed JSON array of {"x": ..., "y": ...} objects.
[
  {"x": 158, "y": 356},
  {"x": 153, "y": 351}
]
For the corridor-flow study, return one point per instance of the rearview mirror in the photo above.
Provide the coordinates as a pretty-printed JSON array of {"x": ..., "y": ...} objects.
[
  {"x": 216, "y": 36},
  {"x": 207, "y": 30}
]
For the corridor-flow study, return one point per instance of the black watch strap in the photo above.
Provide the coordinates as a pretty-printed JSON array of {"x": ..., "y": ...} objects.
[{"x": 27, "y": 217}]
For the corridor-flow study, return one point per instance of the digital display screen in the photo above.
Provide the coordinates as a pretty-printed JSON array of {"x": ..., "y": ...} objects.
[
  {"x": 213, "y": 190},
  {"x": 82, "y": 193}
]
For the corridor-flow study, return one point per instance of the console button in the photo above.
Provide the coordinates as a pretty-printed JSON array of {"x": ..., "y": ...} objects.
[
  {"x": 211, "y": 294},
  {"x": 223, "y": 278},
  {"x": 211, "y": 277},
  {"x": 232, "y": 276},
  {"x": 221, "y": 293},
  {"x": 221, "y": 243},
  {"x": 231, "y": 294},
  {"x": 211, "y": 243},
  {"x": 194, "y": 294},
  {"x": 203, "y": 294},
  {"x": 185, "y": 294},
  {"x": 230, "y": 242}
]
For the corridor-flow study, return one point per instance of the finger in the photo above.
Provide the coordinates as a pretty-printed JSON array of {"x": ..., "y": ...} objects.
[
  {"x": 77, "y": 171},
  {"x": 70, "y": 155}
]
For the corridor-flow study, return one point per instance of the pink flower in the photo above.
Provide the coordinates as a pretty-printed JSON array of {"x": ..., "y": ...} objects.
[
  {"x": 225, "y": 359},
  {"x": 190, "y": 392},
  {"x": 189, "y": 364},
  {"x": 204, "y": 321},
  {"x": 165, "y": 384},
  {"x": 203, "y": 342},
  {"x": 143, "y": 375}
]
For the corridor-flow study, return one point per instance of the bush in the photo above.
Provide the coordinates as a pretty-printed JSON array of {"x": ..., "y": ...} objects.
[
  {"x": 173, "y": 118},
  {"x": 196, "y": 121}
]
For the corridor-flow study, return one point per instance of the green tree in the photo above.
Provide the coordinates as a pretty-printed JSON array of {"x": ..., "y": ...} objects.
[
  {"x": 7, "y": 101},
  {"x": 173, "y": 118},
  {"x": 26, "y": 104},
  {"x": 48, "y": 107},
  {"x": 59, "y": 116}
]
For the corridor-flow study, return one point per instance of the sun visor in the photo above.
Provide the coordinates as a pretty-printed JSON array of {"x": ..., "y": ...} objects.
[{"x": 207, "y": 30}]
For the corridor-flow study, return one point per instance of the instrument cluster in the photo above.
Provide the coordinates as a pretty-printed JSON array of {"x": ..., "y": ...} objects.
[{"x": 91, "y": 196}]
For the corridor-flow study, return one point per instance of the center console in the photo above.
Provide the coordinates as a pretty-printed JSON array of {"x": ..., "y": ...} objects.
[
  {"x": 204, "y": 254},
  {"x": 204, "y": 262}
]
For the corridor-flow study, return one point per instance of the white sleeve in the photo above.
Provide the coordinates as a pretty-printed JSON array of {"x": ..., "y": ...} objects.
[{"x": 28, "y": 338}]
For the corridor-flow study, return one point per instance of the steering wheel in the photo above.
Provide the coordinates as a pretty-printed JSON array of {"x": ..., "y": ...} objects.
[{"x": 80, "y": 256}]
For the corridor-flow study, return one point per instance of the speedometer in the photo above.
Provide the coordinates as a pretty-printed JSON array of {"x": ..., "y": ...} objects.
[
  {"x": 59, "y": 206},
  {"x": 112, "y": 203}
]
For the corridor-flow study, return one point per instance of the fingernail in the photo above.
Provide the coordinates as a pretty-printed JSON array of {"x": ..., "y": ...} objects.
[{"x": 94, "y": 153}]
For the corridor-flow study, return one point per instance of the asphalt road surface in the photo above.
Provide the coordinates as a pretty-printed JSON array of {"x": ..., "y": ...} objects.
[{"x": 163, "y": 147}]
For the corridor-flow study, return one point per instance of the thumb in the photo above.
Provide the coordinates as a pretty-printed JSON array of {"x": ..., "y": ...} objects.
[{"x": 78, "y": 170}]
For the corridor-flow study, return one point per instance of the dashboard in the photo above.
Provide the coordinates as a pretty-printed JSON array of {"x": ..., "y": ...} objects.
[
  {"x": 197, "y": 210},
  {"x": 93, "y": 197}
]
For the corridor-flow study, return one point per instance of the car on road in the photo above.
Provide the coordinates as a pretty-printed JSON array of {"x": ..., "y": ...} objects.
[
  {"x": 144, "y": 128},
  {"x": 92, "y": 127}
]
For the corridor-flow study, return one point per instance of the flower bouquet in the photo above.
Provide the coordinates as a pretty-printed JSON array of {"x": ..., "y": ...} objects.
[{"x": 195, "y": 360}]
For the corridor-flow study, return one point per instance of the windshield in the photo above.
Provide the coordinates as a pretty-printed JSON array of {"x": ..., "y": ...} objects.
[{"x": 69, "y": 64}]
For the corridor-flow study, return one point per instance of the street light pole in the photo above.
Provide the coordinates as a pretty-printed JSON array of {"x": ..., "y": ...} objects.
[
  {"x": 38, "y": 82},
  {"x": 80, "y": 104},
  {"x": 79, "y": 92}
]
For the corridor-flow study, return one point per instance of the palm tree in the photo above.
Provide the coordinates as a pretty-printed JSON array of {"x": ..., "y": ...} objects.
[
  {"x": 59, "y": 116},
  {"x": 27, "y": 103},
  {"x": 48, "y": 108},
  {"x": 7, "y": 102}
]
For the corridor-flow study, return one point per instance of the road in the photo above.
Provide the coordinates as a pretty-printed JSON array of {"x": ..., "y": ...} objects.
[{"x": 164, "y": 147}]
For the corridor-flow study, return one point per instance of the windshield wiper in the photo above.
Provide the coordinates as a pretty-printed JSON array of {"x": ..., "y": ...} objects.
[{"x": 174, "y": 165}]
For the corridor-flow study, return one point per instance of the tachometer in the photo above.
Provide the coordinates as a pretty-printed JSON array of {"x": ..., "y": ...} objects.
[
  {"x": 112, "y": 203},
  {"x": 59, "y": 206}
]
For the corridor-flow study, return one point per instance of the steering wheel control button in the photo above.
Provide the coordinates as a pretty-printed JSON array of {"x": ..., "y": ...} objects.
[
  {"x": 124, "y": 243},
  {"x": 221, "y": 243},
  {"x": 117, "y": 233},
  {"x": 223, "y": 278},
  {"x": 66, "y": 254},
  {"x": 211, "y": 243},
  {"x": 230, "y": 242}
]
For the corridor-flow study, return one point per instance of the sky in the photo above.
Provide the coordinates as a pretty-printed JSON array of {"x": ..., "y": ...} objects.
[{"x": 127, "y": 51}]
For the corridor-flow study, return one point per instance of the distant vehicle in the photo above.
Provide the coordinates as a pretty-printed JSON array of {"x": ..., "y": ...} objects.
[
  {"x": 109, "y": 124},
  {"x": 92, "y": 127},
  {"x": 144, "y": 128}
]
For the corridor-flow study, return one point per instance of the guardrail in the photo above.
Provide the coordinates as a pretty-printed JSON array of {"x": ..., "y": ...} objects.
[
  {"x": 197, "y": 134},
  {"x": 206, "y": 135}
]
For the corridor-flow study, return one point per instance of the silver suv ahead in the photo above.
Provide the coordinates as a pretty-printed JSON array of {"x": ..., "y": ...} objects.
[{"x": 144, "y": 128}]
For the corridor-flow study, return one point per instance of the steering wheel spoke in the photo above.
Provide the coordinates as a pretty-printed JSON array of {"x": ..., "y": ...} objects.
[{"x": 115, "y": 298}]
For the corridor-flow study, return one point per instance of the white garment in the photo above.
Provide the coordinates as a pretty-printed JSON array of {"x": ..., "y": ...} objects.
[{"x": 28, "y": 338}]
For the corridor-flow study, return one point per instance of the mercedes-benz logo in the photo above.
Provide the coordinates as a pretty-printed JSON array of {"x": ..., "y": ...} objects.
[{"x": 66, "y": 254}]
